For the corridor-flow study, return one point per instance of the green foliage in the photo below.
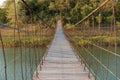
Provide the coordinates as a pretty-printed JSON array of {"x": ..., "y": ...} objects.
[
  {"x": 69, "y": 26},
  {"x": 3, "y": 16},
  {"x": 86, "y": 9},
  {"x": 70, "y": 11},
  {"x": 118, "y": 24},
  {"x": 25, "y": 14},
  {"x": 118, "y": 11},
  {"x": 9, "y": 6},
  {"x": 105, "y": 40},
  {"x": 29, "y": 42}
]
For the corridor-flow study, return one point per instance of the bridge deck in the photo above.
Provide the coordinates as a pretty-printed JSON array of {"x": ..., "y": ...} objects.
[{"x": 61, "y": 62}]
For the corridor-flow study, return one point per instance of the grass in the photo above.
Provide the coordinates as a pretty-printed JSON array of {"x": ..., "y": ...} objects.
[
  {"x": 27, "y": 42},
  {"x": 105, "y": 40},
  {"x": 41, "y": 39},
  {"x": 80, "y": 37}
]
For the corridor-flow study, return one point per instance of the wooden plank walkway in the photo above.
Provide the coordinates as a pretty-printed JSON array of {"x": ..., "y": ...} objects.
[{"x": 61, "y": 62}]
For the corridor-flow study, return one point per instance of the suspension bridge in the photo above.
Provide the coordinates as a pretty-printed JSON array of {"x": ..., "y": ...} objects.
[
  {"x": 85, "y": 52},
  {"x": 61, "y": 62}
]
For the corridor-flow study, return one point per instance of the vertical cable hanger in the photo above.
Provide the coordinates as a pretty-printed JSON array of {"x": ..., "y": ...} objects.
[
  {"x": 115, "y": 34},
  {"x": 29, "y": 52},
  {"x": 16, "y": 21},
  {"x": 4, "y": 56},
  {"x": 93, "y": 24},
  {"x": 99, "y": 34},
  {"x": 25, "y": 47},
  {"x": 25, "y": 51},
  {"x": 99, "y": 23},
  {"x": 109, "y": 46},
  {"x": 15, "y": 25},
  {"x": 39, "y": 34},
  {"x": 35, "y": 40},
  {"x": 29, "y": 49}
]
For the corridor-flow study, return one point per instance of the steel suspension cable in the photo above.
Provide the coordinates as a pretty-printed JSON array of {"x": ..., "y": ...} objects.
[
  {"x": 31, "y": 10},
  {"x": 104, "y": 3},
  {"x": 83, "y": 61},
  {"x": 104, "y": 49},
  {"x": 101, "y": 64}
]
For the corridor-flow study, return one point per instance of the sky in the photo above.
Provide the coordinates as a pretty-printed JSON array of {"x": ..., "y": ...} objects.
[{"x": 1, "y": 2}]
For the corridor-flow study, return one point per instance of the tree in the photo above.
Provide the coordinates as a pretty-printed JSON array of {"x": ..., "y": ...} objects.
[
  {"x": 9, "y": 6},
  {"x": 71, "y": 11},
  {"x": 3, "y": 16},
  {"x": 118, "y": 11}
]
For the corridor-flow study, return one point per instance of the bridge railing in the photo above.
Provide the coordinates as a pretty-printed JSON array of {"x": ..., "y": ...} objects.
[
  {"x": 23, "y": 46},
  {"x": 98, "y": 43}
]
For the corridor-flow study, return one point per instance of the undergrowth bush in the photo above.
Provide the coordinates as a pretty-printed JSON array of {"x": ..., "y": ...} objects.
[{"x": 69, "y": 26}]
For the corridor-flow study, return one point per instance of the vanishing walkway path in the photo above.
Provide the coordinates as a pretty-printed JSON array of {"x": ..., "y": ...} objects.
[{"x": 61, "y": 62}]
